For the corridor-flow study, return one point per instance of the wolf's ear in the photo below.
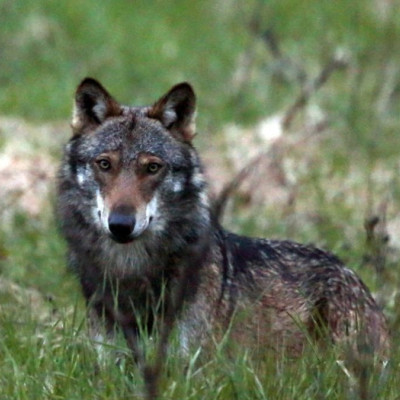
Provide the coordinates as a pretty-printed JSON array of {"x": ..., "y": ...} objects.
[
  {"x": 176, "y": 111},
  {"x": 93, "y": 105}
]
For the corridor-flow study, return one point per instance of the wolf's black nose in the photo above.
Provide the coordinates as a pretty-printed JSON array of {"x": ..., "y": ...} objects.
[{"x": 121, "y": 226}]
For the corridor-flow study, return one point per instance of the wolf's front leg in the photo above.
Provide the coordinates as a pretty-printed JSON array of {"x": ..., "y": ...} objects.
[
  {"x": 132, "y": 339},
  {"x": 102, "y": 333}
]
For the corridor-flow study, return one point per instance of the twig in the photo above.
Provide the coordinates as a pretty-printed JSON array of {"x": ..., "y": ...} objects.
[
  {"x": 247, "y": 59},
  {"x": 286, "y": 63},
  {"x": 377, "y": 238},
  {"x": 335, "y": 63},
  {"x": 233, "y": 184},
  {"x": 230, "y": 187}
]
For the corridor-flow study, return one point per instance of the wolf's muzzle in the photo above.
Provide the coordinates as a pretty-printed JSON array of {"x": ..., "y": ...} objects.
[{"x": 121, "y": 226}]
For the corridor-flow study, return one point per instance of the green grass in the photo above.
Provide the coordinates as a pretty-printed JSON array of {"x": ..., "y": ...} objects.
[
  {"x": 138, "y": 50},
  {"x": 56, "y": 361}
]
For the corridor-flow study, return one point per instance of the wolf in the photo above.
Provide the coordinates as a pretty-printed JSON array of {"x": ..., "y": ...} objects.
[{"x": 137, "y": 217}]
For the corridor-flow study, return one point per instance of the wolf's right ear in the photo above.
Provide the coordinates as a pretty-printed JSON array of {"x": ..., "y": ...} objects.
[{"x": 93, "y": 105}]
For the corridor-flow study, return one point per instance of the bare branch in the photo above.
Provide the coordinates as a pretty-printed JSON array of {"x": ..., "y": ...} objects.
[
  {"x": 288, "y": 66},
  {"x": 337, "y": 62},
  {"x": 377, "y": 238},
  {"x": 230, "y": 187}
]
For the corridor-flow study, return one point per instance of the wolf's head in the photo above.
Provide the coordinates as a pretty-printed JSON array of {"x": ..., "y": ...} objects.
[{"x": 135, "y": 166}]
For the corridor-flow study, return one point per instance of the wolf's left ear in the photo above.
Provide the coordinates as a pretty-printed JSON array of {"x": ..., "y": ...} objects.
[
  {"x": 176, "y": 111},
  {"x": 93, "y": 105}
]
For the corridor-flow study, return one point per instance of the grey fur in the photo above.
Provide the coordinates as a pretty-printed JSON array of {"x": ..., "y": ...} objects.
[{"x": 278, "y": 291}]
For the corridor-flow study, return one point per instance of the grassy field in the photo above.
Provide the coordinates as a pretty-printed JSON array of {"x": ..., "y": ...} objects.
[{"x": 330, "y": 175}]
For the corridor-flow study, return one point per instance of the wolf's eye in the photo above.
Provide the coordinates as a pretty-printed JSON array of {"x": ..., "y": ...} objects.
[
  {"x": 153, "y": 168},
  {"x": 104, "y": 164}
]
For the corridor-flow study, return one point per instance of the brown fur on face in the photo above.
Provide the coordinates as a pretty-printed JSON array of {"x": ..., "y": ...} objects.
[{"x": 132, "y": 186}]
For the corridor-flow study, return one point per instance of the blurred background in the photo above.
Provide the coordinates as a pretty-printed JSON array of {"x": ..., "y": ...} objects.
[{"x": 298, "y": 114}]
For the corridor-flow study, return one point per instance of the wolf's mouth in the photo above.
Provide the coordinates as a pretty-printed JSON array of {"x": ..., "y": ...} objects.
[{"x": 122, "y": 239}]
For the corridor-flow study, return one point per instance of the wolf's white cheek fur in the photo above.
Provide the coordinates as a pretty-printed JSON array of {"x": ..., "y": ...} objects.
[
  {"x": 177, "y": 187},
  {"x": 84, "y": 175},
  {"x": 153, "y": 215},
  {"x": 80, "y": 178},
  {"x": 100, "y": 211}
]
